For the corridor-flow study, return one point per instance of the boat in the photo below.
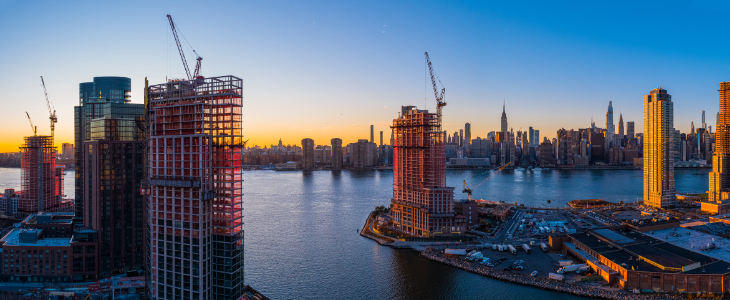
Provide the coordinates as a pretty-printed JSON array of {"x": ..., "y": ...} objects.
[{"x": 534, "y": 273}]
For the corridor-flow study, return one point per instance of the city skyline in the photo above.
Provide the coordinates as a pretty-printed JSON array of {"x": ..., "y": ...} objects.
[{"x": 342, "y": 59}]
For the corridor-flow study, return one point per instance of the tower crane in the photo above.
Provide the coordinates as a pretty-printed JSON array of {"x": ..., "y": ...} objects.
[
  {"x": 467, "y": 190},
  {"x": 51, "y": 112},
  {"x": 31, "y": 124},
  {"x": 439, "y": 97},
  {"x": 182, "y": 53}
]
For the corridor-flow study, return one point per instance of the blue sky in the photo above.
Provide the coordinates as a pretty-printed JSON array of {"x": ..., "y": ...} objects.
[{"x": 329, "y": 69}]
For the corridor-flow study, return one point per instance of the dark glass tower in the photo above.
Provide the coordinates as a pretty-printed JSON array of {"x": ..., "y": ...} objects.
[{"x": 105, "y": 97}]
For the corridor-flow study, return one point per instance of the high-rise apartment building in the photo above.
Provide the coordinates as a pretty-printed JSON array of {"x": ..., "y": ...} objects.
[
  {"x": 381, "y": 138},
  {"x": 658, "y": 149},
  {"x": 41, "y": 181},
  {"x": 337, "y": 153},
  {"x": 307, "y": 154},
  {"x": 537, "y": 137},
  {"x": 461, "y": 137},
  {"x": 114, "y": 162},
  {"x": 630, "y": 133},
  {"x": 195, "y": 144},
  {"x": 467, "y": 135},
  {"x": 104, "y": 97},
  {"x": 504, "y": 120},
  {"x": 372, "y": 133},
  {"x": 719, "y": 181},
  {"x": 704, "y": 125},
  {"x": 67, "y": 150},
  {"x": 531, "y": 137},
  {"x": 422, "y": 203}
]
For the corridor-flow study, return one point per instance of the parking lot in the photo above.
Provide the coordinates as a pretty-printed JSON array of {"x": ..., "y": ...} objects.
[{"x": 537, "y": 260}]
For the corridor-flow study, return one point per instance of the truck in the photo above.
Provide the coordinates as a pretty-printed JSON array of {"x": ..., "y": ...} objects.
[
  {"x": 563, "y": 263},
  {"x": 526, "y": 248},
  {"x": 512, "y": 249},
  {"x": 542, "y": 230},
  {"x": 543, "y": 247},
  {"x": 500, "y": 248},
  {"x": 554, "y": 276},
  {"x": 582, "y": 270},
  {"x": 455, "y": 251},
  {"x": 572, "y": 268},
  {"x": 494, "y": 247},
  {"x": 477, "y": 256}
]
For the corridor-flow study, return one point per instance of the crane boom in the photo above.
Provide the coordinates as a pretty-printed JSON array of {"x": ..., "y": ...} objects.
[
  {"x": 51, "y": 111},
  {"x": 31, "y": 124},
  {"x": 179, "y": 48},
  {"x": 439, "y": 98}
]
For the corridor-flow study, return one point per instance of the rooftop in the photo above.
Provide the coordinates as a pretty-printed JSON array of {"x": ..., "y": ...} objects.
[
  {"x": 695, "y": 241},
  {"x": 13, "y": 239}
]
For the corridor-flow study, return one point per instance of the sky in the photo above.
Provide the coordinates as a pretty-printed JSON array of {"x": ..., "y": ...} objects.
[{"x": 326, "y": 69}]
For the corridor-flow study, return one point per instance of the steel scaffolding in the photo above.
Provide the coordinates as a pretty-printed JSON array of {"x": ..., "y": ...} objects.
[
  {"x": 195, "y": 179},
  {"x": 38, "y": 175}
]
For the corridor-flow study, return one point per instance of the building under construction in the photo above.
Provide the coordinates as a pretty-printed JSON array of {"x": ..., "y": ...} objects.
[
  {"x": 195, "y": 195},
  {"x": 41, "y": 181},
  {"x": 422, "y": 203}
]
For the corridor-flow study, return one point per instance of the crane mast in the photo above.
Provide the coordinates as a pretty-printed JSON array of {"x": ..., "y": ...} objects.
[
  {"x": 439, "y": 97},
  {"x": 51, "y": 112}
]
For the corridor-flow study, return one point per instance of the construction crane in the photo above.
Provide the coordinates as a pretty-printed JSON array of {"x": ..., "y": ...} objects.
[
  {"x": 439, "y": 97},
  {"x": 31, "y": 124},
  {"x": 182, "y": 53},
  {"x": 51, "y": 111},
  {"x": 467, "y": 190}
]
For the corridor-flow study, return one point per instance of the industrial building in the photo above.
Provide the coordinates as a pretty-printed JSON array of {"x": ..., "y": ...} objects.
[
  {"x": 662, "y": 261},
  {"x": 422, "y": 203},
  {"x": 195, "y": 190}
]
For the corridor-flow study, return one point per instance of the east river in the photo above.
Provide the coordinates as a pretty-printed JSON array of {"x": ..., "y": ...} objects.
[{"x": 301, "y": 239}]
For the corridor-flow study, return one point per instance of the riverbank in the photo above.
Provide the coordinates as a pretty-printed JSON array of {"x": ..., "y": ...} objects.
[{"x": 540, "y": 282}]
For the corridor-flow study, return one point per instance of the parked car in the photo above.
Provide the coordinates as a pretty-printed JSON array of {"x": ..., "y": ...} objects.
[{"x": 534, "y": 273}]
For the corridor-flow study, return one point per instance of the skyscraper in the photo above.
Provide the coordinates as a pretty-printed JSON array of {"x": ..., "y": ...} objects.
[
  {"x": 39, "y": 177},
  {"x": 658, "y": 149},
  {"x": 537, "y": 137},
  {"x": 719, "y": 181},
  {"x": 630, "y": 129},
  {"x": 504, "y": 120},
  {"x": 195, "y": 181},
  {"x": 307, "y": 154},
  {"x": 337, "y": 153},
  {"x": 620, "y": 127},
  {"x": 461, "y": 137},
  {"x": 372, "y": 133},
  {"x": 422, "y": 203},
  {"x": 609, "y": 124},
  {"x": 531, "y": 136},
  {"x": 381, "y": 138},
  {"x": 114, "y": 171},
  {"x": 467, "y": 135},
  {"x": 704, "y": 125},
  {"x": 104, "y": 97}
]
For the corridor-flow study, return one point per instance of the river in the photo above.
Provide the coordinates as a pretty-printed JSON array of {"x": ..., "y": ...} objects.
[{"x": 301, "y": 239}]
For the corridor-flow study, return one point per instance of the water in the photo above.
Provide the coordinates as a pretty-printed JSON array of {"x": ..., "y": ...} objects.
[{"x": 301, "y": 239}]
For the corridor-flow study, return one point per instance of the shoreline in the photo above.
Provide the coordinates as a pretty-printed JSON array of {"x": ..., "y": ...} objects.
[{"x": 541, "y": 282}]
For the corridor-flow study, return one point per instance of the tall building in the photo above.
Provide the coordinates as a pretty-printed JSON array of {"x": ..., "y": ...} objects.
[
  {"x": 467, "y": 134},
  {"x": 531, "y": 137},
  {"x": 461, "y": 137},
  {"x": 719, "y": 181},
  {"x": 620, "y": 127},
  {"x": 195, "y": 189},
  {"x": 372, "y": 133},
  {"x": 104, "y": 97},
  {"x": 422, "y": 203},
  {"x": 67, "y": 150},
  {"x": 630, "y": 129},
  {"x": 537, "y": 137},
  {"x": 360, "y": 155},
  {"x": 504, "y": 120},
  {"x": 381, "y": 138},
  {"x": 307, "y": 154},
  {"x": 609, "y": 124},
  {"x": 114, "y": 162},
  {"x": 40, "y": 181},
  {"x": 704, "y": 125},
  {"x": 337, "y": 153},
  {"x": 658, "y": 149}
]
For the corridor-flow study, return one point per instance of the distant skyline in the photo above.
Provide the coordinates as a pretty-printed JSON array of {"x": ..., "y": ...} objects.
[{"x": 331, "y": 69}]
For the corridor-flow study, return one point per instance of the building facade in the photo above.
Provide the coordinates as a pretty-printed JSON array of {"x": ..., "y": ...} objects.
[
  {"x": 658, "y": 149},
  {"x": 719, "y": 182},
  {"x": 41, "y": 181},
  {"x": 195, "y": 206},
  {"x": 307, "y": 154},
  {"x": 336, "y": 153}
]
